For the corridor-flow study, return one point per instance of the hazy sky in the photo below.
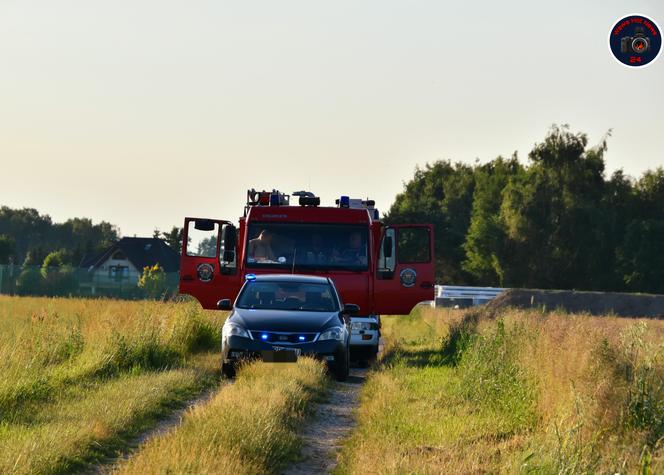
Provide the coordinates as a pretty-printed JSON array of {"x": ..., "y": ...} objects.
[{"x": 142, "y": 112}]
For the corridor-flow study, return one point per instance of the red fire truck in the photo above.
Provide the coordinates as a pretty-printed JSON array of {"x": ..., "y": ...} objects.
[{"x": 385, "y": 269}]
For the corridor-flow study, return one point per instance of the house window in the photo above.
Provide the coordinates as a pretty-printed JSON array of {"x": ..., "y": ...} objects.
[
  {"x": 118, "y": 272},
  {"x": 119, "y": 256}
]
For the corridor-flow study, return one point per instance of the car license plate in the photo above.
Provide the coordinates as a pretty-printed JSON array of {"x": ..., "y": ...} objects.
[
  {"x": 297, "y": 351},
  {"x": 279, "y": 354}
]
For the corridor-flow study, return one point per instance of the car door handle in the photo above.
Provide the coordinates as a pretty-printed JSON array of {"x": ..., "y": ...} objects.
[
  {"x": 426, "y": 285},
  {"x": 188, "y": 277}
]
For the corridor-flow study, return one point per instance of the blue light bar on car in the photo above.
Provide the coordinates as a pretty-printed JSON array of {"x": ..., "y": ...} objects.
[
  {"x": 250, "y": 277},
  {"x": 264, "y": 336},
  {"x": 301, "y": 338}
]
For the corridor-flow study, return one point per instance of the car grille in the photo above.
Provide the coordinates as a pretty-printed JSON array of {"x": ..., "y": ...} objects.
[{"x": 284, "y": 338}]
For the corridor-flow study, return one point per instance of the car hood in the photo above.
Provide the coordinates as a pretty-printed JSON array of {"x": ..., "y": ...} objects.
[{"x": 284, "y": 320}]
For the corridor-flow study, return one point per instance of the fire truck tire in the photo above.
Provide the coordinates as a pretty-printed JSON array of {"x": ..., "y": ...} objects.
[{"x": 228, "y": 370}]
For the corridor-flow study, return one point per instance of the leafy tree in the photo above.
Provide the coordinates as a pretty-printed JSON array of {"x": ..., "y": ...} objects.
[
  {"x": 208, "y": 246},
  {"x": 552, "y": 214},
  {"x": 30, "y": 230},
  {"x": 440, "y": 194},
  {"x": 556, "y": 222},
  {"x": 7, "y": 248},
  {"x": 35, "y": 257},
  {"x": 174, "y": 238},
  {"x": 641, "y": 258},
  {"x": 53, "y": 262},
  {"x": 153, "y": 281},
  {"x": 58, "y": 275},
  {"x": 486, "y": 245}
]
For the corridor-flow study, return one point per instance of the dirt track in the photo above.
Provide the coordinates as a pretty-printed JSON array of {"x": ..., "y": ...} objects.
[
  {"x": 595, "y": 303},
  {"x": 333, "y": 420},
  {"x": 163, "y": 426}
]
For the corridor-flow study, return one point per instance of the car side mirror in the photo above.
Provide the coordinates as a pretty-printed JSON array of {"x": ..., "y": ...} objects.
[
  {"x": 351, "y": 309},
  {"x": 387, "y": 246},
  {"x": 225, "y": 304}
]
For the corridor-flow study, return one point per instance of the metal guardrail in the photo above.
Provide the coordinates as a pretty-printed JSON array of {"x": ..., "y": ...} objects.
[{"x": 462, "y": 296}]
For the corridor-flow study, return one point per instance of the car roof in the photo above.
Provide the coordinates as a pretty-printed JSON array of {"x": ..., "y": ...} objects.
[{"x": 312, "y": 279}]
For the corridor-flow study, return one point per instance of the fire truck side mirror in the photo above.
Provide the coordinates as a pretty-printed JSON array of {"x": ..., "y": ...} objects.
[
  {"x": 204, "y": 225},
  {"x": 387, "y": 246},
  {"x": 229, "y": 237}
]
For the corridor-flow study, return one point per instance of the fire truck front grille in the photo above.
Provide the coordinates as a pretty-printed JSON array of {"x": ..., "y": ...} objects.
[{"x": 284, "y": 338}]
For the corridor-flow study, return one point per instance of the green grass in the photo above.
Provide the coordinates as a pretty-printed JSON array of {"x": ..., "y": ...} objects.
[
  {"x": 88, "y": 421},
  {"x": 528, "y": 392},
  {"x": 249, "y": 427},
  {"x": 79, "y": 377}
]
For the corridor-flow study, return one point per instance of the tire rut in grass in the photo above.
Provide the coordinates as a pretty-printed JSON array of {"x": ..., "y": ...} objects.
[
  {"x": 332, "y": 422},
  {"x": 161, "y": 427}
]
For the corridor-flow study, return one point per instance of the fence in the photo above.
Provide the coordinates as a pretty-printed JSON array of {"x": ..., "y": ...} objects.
[
  {"x": 67, "y": 280},
  {"x": 454, "y": 295}
]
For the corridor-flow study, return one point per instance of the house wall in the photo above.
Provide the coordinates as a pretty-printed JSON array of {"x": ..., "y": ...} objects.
[{"x": 102, "y": 274}]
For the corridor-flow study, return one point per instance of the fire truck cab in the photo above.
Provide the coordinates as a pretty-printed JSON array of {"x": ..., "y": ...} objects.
[{"x": 385, "y": 269}]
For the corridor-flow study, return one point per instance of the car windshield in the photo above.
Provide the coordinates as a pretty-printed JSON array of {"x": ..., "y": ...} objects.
[
  {"x": 307, "y": 246},
  {"x": 304, "y": 296}
]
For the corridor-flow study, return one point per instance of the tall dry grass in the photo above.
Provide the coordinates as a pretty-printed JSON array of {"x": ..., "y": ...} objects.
[
  {"x": 527, "y": 392},
  {"x": 249, "y": 427},
  {"x": 78, "y": 377},
  {"x": 600, "y": 391},
  {"x": 47, "y": 343}
]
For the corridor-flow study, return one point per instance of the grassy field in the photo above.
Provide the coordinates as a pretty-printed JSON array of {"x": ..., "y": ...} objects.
[
  {"x": 528, "y": 392},
  {"x": 248, "y": 428},
  {"x": 455, "y": 392},
  {"x": 80, "y": 377}
]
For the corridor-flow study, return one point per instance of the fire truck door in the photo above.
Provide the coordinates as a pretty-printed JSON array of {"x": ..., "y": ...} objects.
[
  {"x": 404, "y": 275},
  {"x": 208, "y": 264}
]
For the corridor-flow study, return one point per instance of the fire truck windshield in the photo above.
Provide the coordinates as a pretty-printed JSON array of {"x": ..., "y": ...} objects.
[{"x": 307, "y": 246}]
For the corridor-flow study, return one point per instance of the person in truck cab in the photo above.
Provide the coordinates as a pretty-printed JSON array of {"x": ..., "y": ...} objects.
[
  {"x": 355, "y": 253},
  {"x": 317, "y": 253},
  {"x": 260, "y": 248}
]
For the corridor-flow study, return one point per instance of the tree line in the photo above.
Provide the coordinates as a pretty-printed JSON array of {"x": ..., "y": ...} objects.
[
  {"x": 555, "y": 222},
  {"x": 50, "y": 253},
  {"x": 28, "y": 237}
]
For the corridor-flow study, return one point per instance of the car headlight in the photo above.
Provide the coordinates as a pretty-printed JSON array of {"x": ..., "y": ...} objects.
[
  {"x": 335, "y": 333},
  {"x": 361, "y": 326},
  {"x": 233, "y": 329}
]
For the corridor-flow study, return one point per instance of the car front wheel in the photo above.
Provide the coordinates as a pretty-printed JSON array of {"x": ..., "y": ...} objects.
[
  {"x": 228, "y": 370},
  {"x": 342, "y": 366}
]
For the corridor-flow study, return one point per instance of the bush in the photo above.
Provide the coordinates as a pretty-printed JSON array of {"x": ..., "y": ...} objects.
[
  {"x": 153, "y": 281},
  {"x": 30, "y": 282},
  {"x": 59, "y": 277}
]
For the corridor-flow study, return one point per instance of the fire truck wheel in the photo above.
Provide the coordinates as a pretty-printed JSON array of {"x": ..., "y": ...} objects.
[{"x": 228, "y": 370}]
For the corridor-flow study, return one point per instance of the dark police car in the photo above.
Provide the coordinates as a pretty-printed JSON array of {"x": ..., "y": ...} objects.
[{"x": 279, "y": 317}]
